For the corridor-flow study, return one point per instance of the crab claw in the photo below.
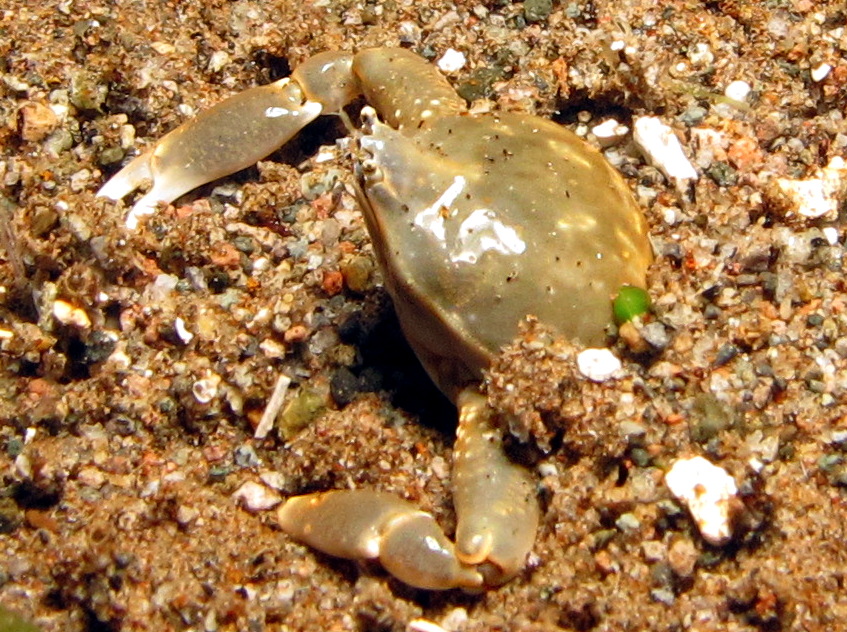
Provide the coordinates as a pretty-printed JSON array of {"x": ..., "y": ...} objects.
[
  {"x": 233, "y": 135},
  {"x": 365, "y": 524}
]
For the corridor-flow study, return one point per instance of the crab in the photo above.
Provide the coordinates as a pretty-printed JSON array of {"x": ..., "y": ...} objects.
[{"x": 477, "y": 221}]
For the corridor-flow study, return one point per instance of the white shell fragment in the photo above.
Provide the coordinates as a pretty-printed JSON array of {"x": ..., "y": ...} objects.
[
  {"x": 266, "y": 423},
  {"x": 598, "y": 365},
  {"x": 819, "y": 73},
  {"x": 609, "y": 132},
  {"x": 255, "y": 497},
  {"x": 662, "y": 149},
  {"x": 707, "y": 490},
  {"x": 738, "y": 91},
  {"x": 182, "y": 331},
  {"x": 206, "y": 389},
  {"x": 817, "y": 196},
  {"x": 68, "y": 314},
  {"x": 451, "y": 61}
]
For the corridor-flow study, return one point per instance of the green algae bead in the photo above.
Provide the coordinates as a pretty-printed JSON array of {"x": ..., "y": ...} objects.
[{"x": 630, "y": 302}]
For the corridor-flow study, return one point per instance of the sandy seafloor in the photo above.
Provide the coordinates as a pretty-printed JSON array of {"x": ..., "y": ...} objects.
[{"x": 134, "y": 366}]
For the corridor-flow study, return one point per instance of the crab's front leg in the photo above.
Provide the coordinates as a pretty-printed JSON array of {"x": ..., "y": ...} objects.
[{"x": 234, "y": 134}]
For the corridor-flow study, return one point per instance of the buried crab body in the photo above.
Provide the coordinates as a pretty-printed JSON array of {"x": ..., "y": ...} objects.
[{"x": 477, "y": 221}]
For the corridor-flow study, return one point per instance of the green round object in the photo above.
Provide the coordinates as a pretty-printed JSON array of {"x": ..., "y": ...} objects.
[{"x": 630, "y": 302}]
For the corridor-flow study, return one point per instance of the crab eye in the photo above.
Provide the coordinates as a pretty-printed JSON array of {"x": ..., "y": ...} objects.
[
  {"x": 369, "y": 119},
  {"x": 371, "y": 171}
]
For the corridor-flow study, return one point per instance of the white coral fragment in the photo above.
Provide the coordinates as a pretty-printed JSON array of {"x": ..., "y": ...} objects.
[
  {"x": 817, "y": 196},
  {"x": 662, "y": 149},
  {"x": 708, "y": 491}
]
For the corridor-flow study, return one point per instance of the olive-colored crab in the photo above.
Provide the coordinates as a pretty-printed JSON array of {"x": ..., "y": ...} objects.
[{"x": 477, "y": 221}]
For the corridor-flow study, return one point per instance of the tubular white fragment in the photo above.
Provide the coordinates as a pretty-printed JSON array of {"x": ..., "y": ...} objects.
[
  {"x": 272, "y": 409},
  {"x": 707, "y": 490}
]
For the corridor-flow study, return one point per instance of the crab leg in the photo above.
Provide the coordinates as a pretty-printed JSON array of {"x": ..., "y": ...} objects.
[{"x": 496, "y": 507}]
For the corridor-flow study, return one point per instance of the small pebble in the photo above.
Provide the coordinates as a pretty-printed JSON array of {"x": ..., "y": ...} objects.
[
  {"x": 185, "y": 515},
  {"x": 36, "y": 121},
  {"x": 609, "y": 132},
  {"x": 255, "y": 497},
  {"x": 537, "y": 10},
  {"x": 682, "y": 557},
  {"x": 219, "y": 60},
  {"x": 628, "y": 522},
  {"x": 274, "y": 480},
  {"x": 598, "y": 365},
  {"x": 653, "y": 550},
  {"x": 819, "y": 73},
  {"x": 451, "y": 61},
  {"x": 738, "y": 91},
  {"x": 707, "y": 490}
]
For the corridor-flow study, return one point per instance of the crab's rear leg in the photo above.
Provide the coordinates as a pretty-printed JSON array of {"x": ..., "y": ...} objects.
[{"x": 234, "y": 134}]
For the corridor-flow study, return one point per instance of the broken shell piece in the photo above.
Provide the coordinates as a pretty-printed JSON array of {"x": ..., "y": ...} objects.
[
  {"x": 819, "y": 195},
  {"x": 598, "y": 365},
  {"x": 708, "y": 492},
  {"x": 609, "y": 132},
  {"x": 364, "y": 524},
  {"x": 451, "y": 61},
  {"x": 68, "y": 314},
  {"x": 662, "y": 149},
  {"x": 255, "y": 497}
]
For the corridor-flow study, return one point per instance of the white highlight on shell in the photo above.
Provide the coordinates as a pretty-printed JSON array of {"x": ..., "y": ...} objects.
[
  {"x": 276, "y": 112},
  {"x": 662, "y": 149},
  {"x": 431, "y": 218},
  {"x": 598, "y": 365},
  {"x": 707, "y": 490},
  {"x": 480, "y": 232}
]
